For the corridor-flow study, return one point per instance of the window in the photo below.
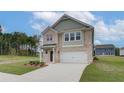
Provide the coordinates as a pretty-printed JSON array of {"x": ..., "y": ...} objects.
[
  {"x": 66, "y": 36},
  {"x": 49, "y": 37},
  {"x": 78, "y": 37},
  {"x": 72, "y": 36}
]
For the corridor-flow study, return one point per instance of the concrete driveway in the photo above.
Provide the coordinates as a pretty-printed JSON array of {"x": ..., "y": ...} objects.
[{"x": 53, "y": 73}]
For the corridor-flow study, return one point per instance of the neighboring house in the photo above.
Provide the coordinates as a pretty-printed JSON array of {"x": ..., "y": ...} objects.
[
  {"x": 122, "y": 51},
  {"x": 27, "y": 47},
  {"x": 68, "y": 40},
  {"x": 106, "y": 49}
]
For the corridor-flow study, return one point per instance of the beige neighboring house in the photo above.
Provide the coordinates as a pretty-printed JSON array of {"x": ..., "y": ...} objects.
[
  {"x": 122, "y": 51},
  {"x": 68, "y": 40}
]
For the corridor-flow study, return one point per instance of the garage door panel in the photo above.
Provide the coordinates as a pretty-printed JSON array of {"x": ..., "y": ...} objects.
[{"x": 73, "y": 57}]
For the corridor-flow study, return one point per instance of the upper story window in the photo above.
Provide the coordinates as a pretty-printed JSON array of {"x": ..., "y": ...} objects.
[
  {"x": 66, "y": 36},
  {"x": 49, "y": 37},
  {"x": 78, "y": 35},
  {"x": 72, "y": 36}
]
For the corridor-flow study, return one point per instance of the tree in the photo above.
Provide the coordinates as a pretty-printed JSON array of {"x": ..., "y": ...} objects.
[
  {"x": 117, "y": 52},
  {"x": 12, "y": 51},
  {"x": 11, "y": 42}
]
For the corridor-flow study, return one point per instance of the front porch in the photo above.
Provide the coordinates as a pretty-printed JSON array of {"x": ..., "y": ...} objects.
[{"x": 49, "y": 52}]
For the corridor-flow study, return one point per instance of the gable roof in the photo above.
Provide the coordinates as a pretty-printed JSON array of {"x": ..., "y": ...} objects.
[
  {"x": 72, "y": 18},
  {"x": 105, "y": 46},
  {"x": 64, "y": 17},
  {"x": 48, "y": 28}
]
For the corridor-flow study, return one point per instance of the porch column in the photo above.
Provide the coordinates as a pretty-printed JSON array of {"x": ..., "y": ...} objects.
[
  {"x": 40, "y": 56},
  {"x": 53, "y": 55}
]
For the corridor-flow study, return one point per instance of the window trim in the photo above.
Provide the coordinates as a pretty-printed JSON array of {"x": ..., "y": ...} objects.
[
  {"x": 74, "y": 36},
  {"x": 49, "y": 37},
  {"x": 68, "y": 36}
]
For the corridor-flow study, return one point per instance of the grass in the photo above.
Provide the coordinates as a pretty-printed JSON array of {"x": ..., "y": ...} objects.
[
  {"x": 106, "y": 69},
  {"x": 16, "y": 68},
  {"x": 16, "y": 64},
  {"x": 5, "y": 58}
]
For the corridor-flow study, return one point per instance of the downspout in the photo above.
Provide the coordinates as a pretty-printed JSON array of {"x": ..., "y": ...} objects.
[{"x": 93, "y": 53}]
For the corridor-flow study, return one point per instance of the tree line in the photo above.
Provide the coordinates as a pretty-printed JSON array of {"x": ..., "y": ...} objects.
[{"x": 18, "y": 43}]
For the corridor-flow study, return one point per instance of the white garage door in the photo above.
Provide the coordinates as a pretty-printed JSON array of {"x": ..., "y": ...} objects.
[{"x": 73, "y": 57}]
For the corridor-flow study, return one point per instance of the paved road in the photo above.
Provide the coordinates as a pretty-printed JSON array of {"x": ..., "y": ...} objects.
[{"x": 52, "y": 73}]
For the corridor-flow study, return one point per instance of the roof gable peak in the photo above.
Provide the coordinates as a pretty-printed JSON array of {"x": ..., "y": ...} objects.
[{"x": 65, "y": 16}]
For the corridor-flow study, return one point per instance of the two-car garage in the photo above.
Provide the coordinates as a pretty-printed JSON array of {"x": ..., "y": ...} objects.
[{"x": 73, "y": 57}]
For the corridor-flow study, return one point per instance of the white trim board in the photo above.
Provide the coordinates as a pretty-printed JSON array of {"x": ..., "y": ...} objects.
[{"x": 72, "y": 45}]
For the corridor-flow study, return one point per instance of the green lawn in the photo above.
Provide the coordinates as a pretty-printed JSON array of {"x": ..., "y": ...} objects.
[
  {"x": 17, "y": 64},
  {"x": 16, "y": 68},
  {"x": 106, "y": 69},
  {"x": 6, "y": 58}
]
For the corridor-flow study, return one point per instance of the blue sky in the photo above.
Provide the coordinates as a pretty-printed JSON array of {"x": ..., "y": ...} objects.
[
  {"x": 109, "y": 16},
  {"x": 109, "y": 26},
  {"x": 17, "y": 21}
]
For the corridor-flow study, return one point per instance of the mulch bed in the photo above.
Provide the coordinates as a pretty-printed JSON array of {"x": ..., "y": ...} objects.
[{"x": 39, "y": 65}]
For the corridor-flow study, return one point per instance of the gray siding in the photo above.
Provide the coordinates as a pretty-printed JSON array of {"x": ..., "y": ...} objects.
[
  {"x": 105, "y": 51},
  {"x": 67, "y": 24}
]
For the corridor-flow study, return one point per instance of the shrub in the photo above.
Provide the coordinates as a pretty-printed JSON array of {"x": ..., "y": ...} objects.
[
  {"x": 36, "y": 63},
  {"x": 31, "y": 62},
  {"x": 95, "y": 58}
]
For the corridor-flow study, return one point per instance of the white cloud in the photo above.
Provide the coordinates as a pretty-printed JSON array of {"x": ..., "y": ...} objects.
[
  {"x": 41, "y": 20},
  {"x": 97, "y": 42},
  {"x": 53, "y": 16},
  {"x": 38, "y": 27},
  {"x": 47, "y": 16},
  {"x": 87, "y": 17},
  {"x": 101, "y": 30},
  {"x": 112, "y": 32},
  {"x": 3, "y": 28}
]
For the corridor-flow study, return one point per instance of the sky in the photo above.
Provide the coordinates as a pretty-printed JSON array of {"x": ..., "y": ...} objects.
[{"x": 109, "y": 26}]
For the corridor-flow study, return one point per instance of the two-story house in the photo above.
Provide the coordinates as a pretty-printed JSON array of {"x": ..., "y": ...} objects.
[
  {"x": 106, "y": 49},
  {"x": 68, "y": 40}
]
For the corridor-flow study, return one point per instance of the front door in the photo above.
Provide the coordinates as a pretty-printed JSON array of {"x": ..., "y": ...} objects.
[{"x": 51, "y": 56}]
